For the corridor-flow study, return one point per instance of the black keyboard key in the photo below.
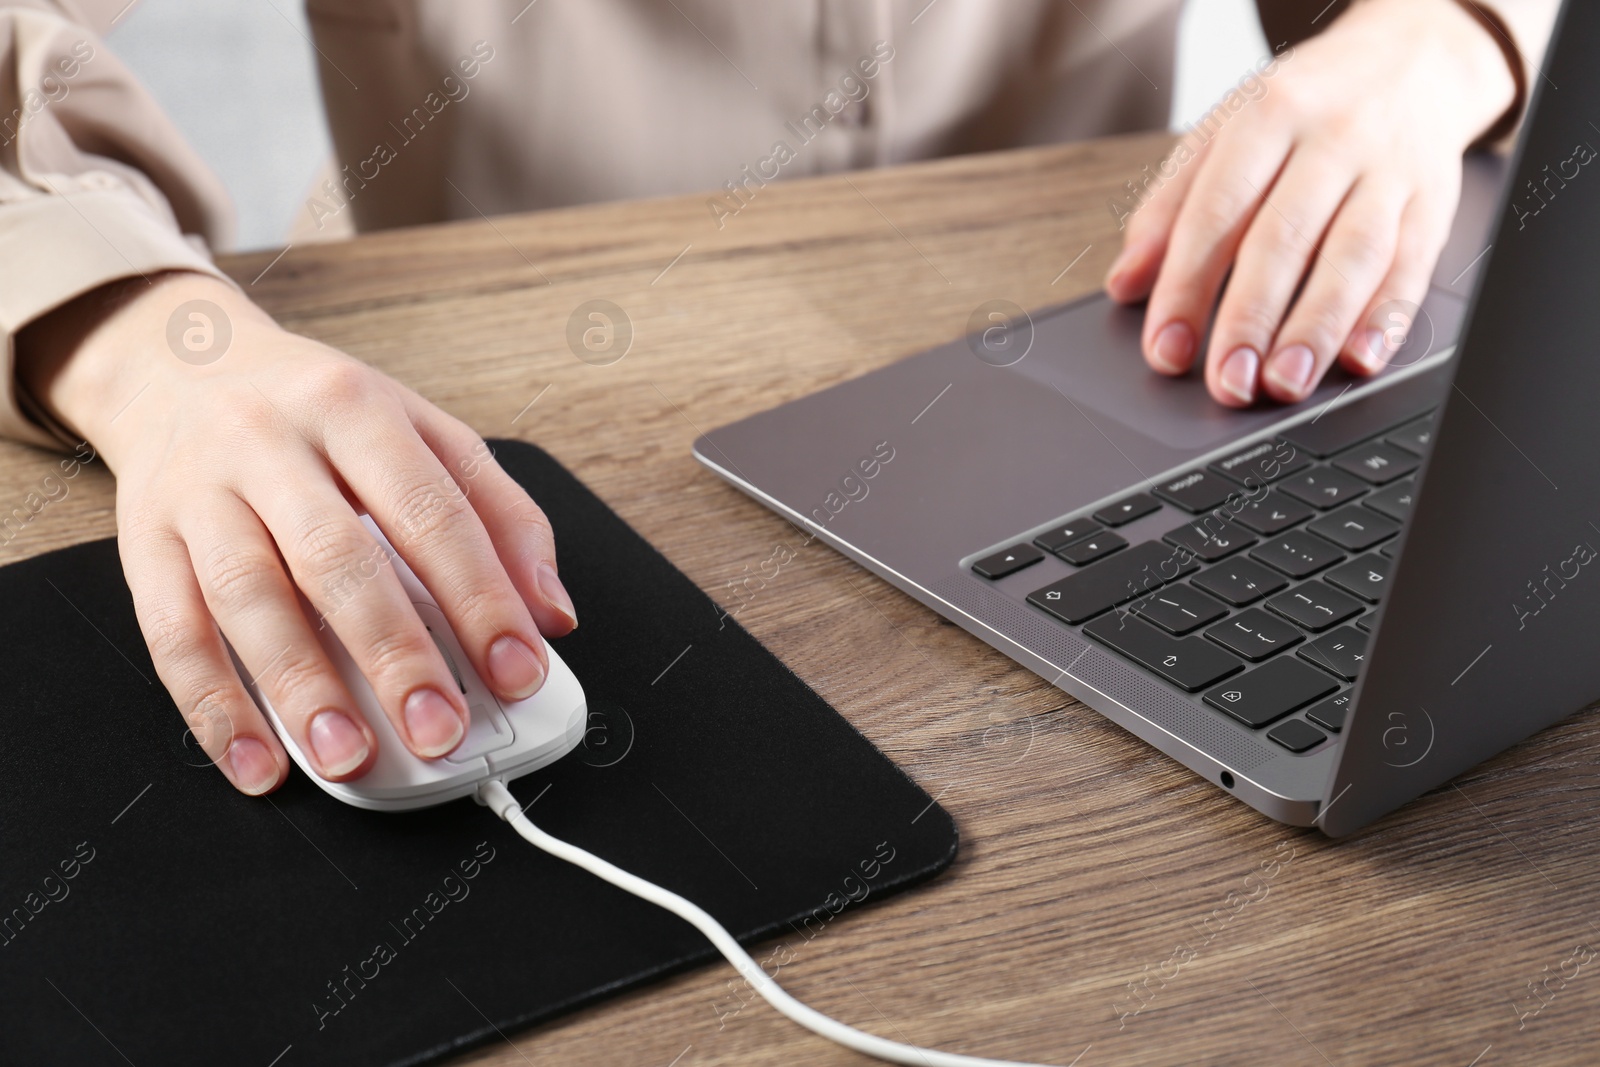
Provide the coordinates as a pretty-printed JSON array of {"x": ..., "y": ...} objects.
[
  {"x": 1367, "y": 577},
  {"x": 1273, "y": 513},
  {"x": 1255, "y": 635},
  {"x": 1262, "y": 462},
  {"x": 1210, "y": 538},
  {"x": 1187, "y": 662},
  {"x": 1086, "y": 550},
  {"x": 1341, "y": 653},
  {"x": 1197, "y": 491},
  {"x": 1297, "y": 554},
  {"x": 1297, "y": 736},
  {"x": 1065, "y": 534},
  {"x": 1142, "y": 569},
  {"x": 1331, "y": 713},
  {"x": 1378, "y": 463},
  {"x": 1314, "y": 606},
  {"x": 1240, "y": 582},
  {"x": 1364, "y": 624},
  {"x": 1416, "y": 438},
  {"x": 1007, "y": 561},
  {"x": 1179, "y": 609},
  {"x": 1394, "y": 501},
  {"x": 1387, "y": 551},
  {"x": 1324, "y": 487},
  {"x": 1271, "y": 691},
  {"x": 1354, "y": 528},
  {"x": 1136, "y": 506}
]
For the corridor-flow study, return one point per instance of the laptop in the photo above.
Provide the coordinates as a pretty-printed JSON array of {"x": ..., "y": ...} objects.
[{"x": 1325, "y": 610}]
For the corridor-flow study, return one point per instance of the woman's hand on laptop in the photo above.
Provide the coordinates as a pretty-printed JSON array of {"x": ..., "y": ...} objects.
[
  {"x": 1341, "y": 172},
  {"x": 241, "y": 466}
]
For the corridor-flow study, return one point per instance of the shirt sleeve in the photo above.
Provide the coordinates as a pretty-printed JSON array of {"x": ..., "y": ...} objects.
[{"x": 96, "y": 184}]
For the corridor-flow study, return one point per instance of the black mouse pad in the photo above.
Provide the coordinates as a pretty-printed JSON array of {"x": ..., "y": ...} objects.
[{"x": 151, "y": 915}]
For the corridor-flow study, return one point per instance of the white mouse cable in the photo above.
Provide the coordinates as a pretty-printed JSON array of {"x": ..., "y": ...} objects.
[{"x": 497, "y": 798}]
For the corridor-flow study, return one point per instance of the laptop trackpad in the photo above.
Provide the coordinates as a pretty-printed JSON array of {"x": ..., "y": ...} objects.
[{"x": 1088, "y": 354}]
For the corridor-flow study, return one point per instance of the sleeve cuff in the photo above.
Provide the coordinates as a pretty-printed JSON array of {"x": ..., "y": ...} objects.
[{"x": 56, "y": 248}]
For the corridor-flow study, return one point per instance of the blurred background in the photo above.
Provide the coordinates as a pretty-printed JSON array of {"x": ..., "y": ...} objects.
[{"x": 237, "y": 78}]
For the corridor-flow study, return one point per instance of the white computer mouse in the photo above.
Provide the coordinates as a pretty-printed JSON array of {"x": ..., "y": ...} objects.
[{"x": 504, "y": 741}]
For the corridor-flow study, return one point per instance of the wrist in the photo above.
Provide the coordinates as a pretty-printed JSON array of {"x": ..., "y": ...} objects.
[
  {"x": 1515, "y": 66},
  {"x": 87, "y": 360},
  {"x": 1464, "y": 60}
]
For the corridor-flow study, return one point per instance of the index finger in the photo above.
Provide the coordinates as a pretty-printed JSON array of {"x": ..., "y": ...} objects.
[
  {"x": 1146, "y": 214},
  {"x": 1225, "y": 197}
]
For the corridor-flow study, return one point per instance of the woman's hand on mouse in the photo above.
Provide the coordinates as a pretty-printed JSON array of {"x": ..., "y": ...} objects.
[
  {"x": 240, "y": 471},
  {"x": 1339, "y": 169}
]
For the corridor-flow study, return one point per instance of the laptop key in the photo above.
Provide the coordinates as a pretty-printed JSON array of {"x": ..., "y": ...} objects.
[
  {"x": 1240, "y": 582},
  {"x": 1136, "y": 506},
  {"x": 1187, "y": 662},
  {"x": 1179, "y": 609},
  {"x": 1324, "y": 487},
  {"x": 1341, "y": 653},
  {"x": 1273, "y": 513},
  {"x": 1394, "y": 501},
  {"x": 1270, "y": 692},
  {"x": 1416, "y": 437},
  {"x": 1264, "y": 461},
  {"x": 1197, "y": 491},
  {"x": 1210, "y": 538},
  {"x": 1331, "y": 713},
  {"x": 1297, "y": 554},
  {"x": 1065, "y": 534},
  {"x": 1007, "y": 561},
  {"x": 1364, "y": 624},
  {"x": 1125, "y": 511},
  {"x": 1255, "y": 635},
  {"x": 1378, "y": 463},
  {"x": 1115, "y": 580},
  {"x": 1297, "y": 735},
  {"x": 1366, "y": 576},
  {"x": 1086, "y": 550},
  {"x": 1314, "y": 606},
  {"x": 1354, "y": 528}
]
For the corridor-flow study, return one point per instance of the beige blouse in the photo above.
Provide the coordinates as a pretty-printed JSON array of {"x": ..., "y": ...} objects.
[{"x": 444, "y": 108}]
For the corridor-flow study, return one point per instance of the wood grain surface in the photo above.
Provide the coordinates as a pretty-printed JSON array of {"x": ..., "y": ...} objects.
[{"x": 1105, "y": 898}]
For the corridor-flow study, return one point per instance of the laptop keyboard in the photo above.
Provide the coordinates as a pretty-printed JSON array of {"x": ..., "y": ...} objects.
[{"x": 1259, "y": 598}]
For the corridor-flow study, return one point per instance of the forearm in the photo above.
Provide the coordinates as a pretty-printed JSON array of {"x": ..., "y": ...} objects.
[{"x": 95, "y": 186}]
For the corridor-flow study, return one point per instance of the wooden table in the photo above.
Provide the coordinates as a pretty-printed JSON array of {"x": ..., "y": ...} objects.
[{"x": 1101, "y": 893}]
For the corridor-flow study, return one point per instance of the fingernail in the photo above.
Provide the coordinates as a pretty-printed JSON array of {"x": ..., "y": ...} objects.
[
  {"x": 515, "y": 670},
  {"x": 1174, "y": 347},
  {"x": 1373, "y": 351},
  {"x": 434, "y": 725},
  {"x": 340, "y": 747},
  {"x": 1238, "y": 377},
  {"x": 1290, "y": 369},
  {"x": 254, "y": 769},
  {"x": 556, "y": 593}
]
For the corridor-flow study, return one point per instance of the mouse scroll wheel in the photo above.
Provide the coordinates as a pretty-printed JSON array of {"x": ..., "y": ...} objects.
[{"x": 450, "y": 661}]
